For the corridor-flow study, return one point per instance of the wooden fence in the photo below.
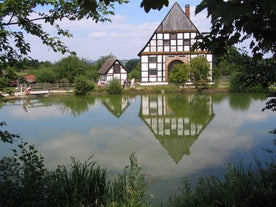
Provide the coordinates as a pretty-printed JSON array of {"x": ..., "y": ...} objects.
[{"x": 51, "y": 86}]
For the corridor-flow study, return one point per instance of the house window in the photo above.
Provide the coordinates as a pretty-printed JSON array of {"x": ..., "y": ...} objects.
[
  {"x": 166, "y": 43},
  {"x": 152, "y": 59},
  {"x": 152, "y": 72},
  {"x": 186, "y": 42},
  {"x": 116, "y": 69},
  {"x": 173, "y": 36}
]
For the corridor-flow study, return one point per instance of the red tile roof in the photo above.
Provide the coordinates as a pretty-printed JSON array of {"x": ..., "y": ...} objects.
[{"x": 29, "y": 78}]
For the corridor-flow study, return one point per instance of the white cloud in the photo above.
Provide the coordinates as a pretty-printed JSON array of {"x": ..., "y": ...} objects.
[
  {"x": 122, "y": 37},
  {"x": 98, "y": 35}
]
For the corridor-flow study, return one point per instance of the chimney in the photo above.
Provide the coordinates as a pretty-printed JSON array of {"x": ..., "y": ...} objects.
[{"x": 187, "y": 10}]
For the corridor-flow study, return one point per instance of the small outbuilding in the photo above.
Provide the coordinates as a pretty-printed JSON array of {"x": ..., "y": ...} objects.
[
  {"x": 29, "y": 78},
  {"x": 112, "y": 69}
]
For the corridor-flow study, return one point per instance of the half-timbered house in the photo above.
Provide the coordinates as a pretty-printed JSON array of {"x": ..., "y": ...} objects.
[
  {"x": 112, "y": 69},
  {"x": 170, "y": 44}
]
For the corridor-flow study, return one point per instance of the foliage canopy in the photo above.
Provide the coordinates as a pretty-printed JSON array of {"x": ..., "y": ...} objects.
[
  {"x": 179, "y": 74},
  {"x": 200, "y": 70},
  {"x": 248, "y": 19},
  {"x": 252, "y": 20},
  {"x": 70, "y": 67},
  {"x": 19, "y": 18},
  {"x": 82, "y": 86}
]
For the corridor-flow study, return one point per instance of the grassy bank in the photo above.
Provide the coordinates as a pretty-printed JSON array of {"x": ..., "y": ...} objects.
[
  {"x": 221, "y": 88},
  {"x": 171, "y": 88}
]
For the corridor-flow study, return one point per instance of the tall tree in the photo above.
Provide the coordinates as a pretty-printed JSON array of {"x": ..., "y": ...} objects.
[
  {"x": 248, "y": 18},
  {"x": 27, "y": 16},
  {"x": 179, "y": 74},
  {"x": 99, "y": 63},
  {"x": 200, "y": 69},
  {"x": 70, "y": 67},
  {"x": 131, "y": 64},
  {"x": 235, "y": 21}
]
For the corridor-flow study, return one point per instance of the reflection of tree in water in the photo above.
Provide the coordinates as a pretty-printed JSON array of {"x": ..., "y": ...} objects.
[
  {"x": 239, "y": 102},
  {"x": 1, "y": 104},
  {"x": 242, "y": 101},
  {"x": 74, "y": 104},
  {"x": 259, "y": 96},
  {"x": 176, "y": 120},
  {"x": 116, "y": 104},
  {"x": 200, "y": 109},
  {"x": 219, "y": 97},
  {"x": 179, "y": 105},
  {"x": 196, "y": 107}
]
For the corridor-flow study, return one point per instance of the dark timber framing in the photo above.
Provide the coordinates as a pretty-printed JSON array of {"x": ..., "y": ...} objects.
[
  {"x": 112, "y": 69},
  {"x": 171, "y": 41}
]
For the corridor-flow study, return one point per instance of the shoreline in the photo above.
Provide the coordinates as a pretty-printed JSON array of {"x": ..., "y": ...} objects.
[{"x": 131, "y": 91}]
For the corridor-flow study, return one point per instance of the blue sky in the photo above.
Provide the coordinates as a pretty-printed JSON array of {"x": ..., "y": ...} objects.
[{"x": 124, "y": 37}]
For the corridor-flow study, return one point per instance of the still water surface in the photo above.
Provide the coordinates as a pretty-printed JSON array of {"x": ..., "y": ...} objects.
[{"x": 172, "y": 135}]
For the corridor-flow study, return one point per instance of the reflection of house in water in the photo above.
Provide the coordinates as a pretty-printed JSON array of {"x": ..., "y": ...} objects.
[
  {"x": 116, "y": 104},
  {"x": 176, "y": 121}
]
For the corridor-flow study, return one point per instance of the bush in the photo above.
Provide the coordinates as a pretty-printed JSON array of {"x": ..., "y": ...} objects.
[
  {"x": 254, "y": 75},
  {"x": 179, "y": 74},
  {"x": 114, "y": 87},
  {"x": 82, "y": 86},
  {"x": 83, "y": 184},
  {"x": 23, "y": 178},
  {"x": 24, "y": 181},
  {"x": 200, "y": 70},
  {"x": 45, "y": 75},
  {"x": 130, "y": 188},
  {"x": 239, "y": 187}
]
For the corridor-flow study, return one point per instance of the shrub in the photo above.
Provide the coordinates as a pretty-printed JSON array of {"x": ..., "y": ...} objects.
[
  {"x": 45, "y": 75},
  {"x": 24, "y": 181},
  {"x": 254, "y": 75},
  {"x": 239, "y": 187},
  {"x": 23, "y": 178},
  {"x": 179, "y": 74},
  {"x": 82, "y": 86},
  {"x": 83, "y": 184},
  {"x": 130, "y": 188},
  {"x": 200, "y": 69},
  {"x": 114, "y": 87}
]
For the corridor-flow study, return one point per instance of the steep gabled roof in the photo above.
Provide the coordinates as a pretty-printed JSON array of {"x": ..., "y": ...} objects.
[
  {"x": 29, "y": 78},
  {"x": 176, "y": 20},
  {"x": 106, "y": 66}
]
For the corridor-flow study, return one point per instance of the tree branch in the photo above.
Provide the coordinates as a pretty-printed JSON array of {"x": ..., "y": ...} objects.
[{"x": 17, "y": 22}]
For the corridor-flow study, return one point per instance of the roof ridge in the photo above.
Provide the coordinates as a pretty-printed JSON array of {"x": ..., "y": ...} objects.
[{"x": 176, "y": 20}]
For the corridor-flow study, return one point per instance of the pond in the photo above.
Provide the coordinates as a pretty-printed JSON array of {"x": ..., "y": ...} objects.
[{"x": 173, "y": 135}]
